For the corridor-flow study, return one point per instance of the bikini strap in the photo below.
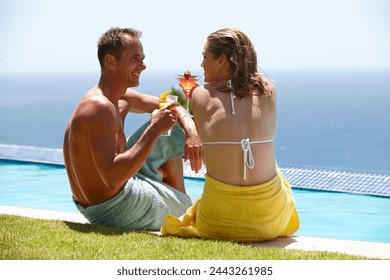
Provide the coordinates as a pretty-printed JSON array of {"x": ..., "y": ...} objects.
[{"x": 232, "y": 96}]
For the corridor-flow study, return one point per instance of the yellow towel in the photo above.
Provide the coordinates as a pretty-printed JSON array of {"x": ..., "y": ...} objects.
[{"x": 243, "y": 214}]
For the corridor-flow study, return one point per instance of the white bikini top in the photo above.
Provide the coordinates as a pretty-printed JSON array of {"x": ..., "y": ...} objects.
[
  {"x": 245, "y": 143},
  {"x": 246, "y": 148}
]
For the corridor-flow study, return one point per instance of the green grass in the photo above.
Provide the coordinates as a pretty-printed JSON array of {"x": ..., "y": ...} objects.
[{"x": 34, "y": 239}]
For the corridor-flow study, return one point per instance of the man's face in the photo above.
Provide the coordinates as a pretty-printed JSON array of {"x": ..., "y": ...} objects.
[{"x": 131, "y": 63}]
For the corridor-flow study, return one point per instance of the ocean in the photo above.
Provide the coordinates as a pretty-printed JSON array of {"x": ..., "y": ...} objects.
[{"x": 337, "y": 119}]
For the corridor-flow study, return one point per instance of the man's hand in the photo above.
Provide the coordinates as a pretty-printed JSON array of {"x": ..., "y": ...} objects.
[
  {"x": 193, "y": 151},
  {"x": 165, "y": 118}
]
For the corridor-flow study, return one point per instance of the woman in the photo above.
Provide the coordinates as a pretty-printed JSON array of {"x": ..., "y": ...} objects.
[{"x": 245, "y": 198}]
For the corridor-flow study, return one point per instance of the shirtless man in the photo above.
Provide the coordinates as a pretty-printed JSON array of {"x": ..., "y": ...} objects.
[{"x": 107, "y": 185}]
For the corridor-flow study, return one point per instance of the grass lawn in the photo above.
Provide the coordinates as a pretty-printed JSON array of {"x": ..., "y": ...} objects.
[{"x": 33, "y": 239}]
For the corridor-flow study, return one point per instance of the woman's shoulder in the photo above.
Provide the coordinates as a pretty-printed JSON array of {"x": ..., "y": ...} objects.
[
  {"x": 200, "y": 92},
  {"x": 209, "y": 89}
]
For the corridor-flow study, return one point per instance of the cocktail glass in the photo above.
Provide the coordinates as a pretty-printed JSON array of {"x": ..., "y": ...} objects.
[
  {"x": 165, "y": 99},
  {"x": 187, "y": 82}
]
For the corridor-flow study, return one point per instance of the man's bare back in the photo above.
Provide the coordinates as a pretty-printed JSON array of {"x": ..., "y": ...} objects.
[{"x": 78, "y": 154}]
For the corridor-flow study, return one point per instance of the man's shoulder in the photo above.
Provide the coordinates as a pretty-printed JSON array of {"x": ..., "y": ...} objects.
[{"x": 94, "y": 105}]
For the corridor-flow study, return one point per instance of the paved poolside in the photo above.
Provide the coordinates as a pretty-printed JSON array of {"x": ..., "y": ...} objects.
[{"x": 358, "y": 248}]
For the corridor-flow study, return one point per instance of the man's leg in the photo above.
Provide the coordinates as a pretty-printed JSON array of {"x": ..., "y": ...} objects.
[
  {"x": 167, "y": 154},
  {"x": 174, "y": 174}
]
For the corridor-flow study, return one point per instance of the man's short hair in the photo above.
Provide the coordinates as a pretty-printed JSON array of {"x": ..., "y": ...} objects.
[{"x": 111, "y": 42}]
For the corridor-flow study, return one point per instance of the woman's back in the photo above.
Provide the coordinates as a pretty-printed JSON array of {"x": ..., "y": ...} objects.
[
  {"x": 245, "y": 197},
  {"x": 254, "y": 118}
]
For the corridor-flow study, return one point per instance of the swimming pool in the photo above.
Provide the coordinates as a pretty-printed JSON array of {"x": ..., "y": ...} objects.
[{"x": 323, "y": 214}]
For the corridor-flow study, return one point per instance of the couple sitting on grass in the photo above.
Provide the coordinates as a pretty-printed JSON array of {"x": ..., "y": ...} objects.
[{"x": 137, "y": 183}]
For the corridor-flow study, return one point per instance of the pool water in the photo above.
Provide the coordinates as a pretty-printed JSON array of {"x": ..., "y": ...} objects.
[{"x": 322, "y": 214}]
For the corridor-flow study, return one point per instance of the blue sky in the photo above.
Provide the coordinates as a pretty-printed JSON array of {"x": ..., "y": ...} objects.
[{"x": 61, "y": 36}]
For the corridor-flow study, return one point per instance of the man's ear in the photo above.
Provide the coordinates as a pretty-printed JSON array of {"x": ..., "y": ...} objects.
[{"x": 110, "y": 61}]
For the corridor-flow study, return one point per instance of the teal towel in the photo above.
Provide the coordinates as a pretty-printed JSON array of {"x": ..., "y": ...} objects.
[
  {"x": 166, "y": 148},
  {"x": 142, "y": 204}
]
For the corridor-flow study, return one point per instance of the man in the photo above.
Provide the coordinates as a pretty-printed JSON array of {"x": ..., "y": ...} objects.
[{"x": 118, "y": 186}]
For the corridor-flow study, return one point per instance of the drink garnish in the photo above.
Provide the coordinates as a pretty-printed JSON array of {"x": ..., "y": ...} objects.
[
  {"x": 187, "y": 74},
  {"x": 163, "y": 96}
]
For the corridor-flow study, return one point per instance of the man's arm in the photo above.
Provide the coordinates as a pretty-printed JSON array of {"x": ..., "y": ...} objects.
[
  {"x": 136, "y": 102},
  {"x": 115, "y": 167},
  {"x": 133, "y": 101},
  {"x": 193, "y": 149}
]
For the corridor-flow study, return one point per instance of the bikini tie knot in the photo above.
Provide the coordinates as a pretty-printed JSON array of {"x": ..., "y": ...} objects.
[{"x": 248, "y": 156}]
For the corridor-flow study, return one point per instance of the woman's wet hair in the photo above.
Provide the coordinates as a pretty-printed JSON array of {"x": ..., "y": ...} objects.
[{"x": 242, "y": 57}]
